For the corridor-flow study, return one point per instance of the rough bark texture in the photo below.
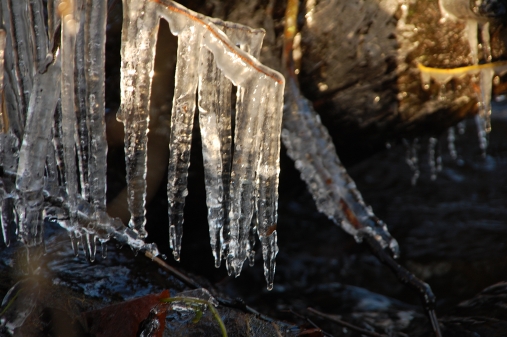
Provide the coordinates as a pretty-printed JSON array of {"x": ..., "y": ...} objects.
[{"x": 359, "y": 65}]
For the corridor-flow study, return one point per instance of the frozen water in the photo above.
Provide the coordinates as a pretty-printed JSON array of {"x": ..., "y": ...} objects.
[
  {"x": 412, "y": 159},
  {"x": 255, "y": 165},
  {"x": 462, "y": 11},
  {"x": 432, "y": 158},
  {"x": 53, "y": 147},
  {"x": 310, "y": 146},
  {"x": 451, "y": 145},
  {"x": 42, "y": 129}
]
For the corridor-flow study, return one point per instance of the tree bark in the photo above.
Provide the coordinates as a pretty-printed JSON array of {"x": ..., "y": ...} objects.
[{"x": 358, "y": 65}]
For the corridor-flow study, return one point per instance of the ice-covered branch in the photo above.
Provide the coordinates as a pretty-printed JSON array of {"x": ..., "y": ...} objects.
[
  {"x": 335, "y": 193},
  {"x": 206, "y": 57},
  {"x": 38, "y": 157},
  {"x": 309, "y": 144},
  {"x": 66, "y": 182}
]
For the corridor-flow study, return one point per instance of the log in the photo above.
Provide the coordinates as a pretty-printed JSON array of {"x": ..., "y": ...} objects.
[{"x": 358, "y": 64}]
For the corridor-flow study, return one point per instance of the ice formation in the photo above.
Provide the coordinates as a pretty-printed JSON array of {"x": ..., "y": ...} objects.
[
  {"x": 53, "y": 147},
  {"x": 309, "y": 144},
  {"x": 53, "y": 111},
  {"x": 469, "y": 12}
]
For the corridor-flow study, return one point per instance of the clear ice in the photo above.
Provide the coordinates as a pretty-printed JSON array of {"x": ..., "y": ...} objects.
[
  {"x": 309, "y": 144},
  {"x": 53, "y": 147},
  {"x": 253, "y": 181},
  {"x": 458, "y": 10}
]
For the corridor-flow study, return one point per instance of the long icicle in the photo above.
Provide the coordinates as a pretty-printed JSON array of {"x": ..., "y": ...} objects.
[
  {"x": 139, "y": 35},
  {"x": 16, "y": 93},
  {"x": 267, "y": 176},
  {"x": 8, "y": 160},
  {"x": 39, "y": 33},
  {"x": 215, "y": 123},
  {"x": 70, "y": 29},
  {"x": 249, "y": 75},
  {"x": 182, "y": 120},
  {"x": 23, "y": 57},
  {"x": 83, "y": 145},
  {"x": 95, "y": 36},
  {"x": 33, "y": 153},
  {"x": 213, "y": 91},
  {"x": 250, "y": 41}
]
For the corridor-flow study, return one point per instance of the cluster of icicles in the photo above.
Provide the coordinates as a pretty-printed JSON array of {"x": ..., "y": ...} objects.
[
  {"x": 484, "y": 73},
  {"x": 53, "y": 147}
]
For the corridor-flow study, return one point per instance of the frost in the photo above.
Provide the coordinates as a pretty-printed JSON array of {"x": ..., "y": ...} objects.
[{"x": 53, "y": 147}]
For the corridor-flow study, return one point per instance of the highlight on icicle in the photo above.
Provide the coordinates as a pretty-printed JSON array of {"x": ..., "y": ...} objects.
[
  {"x": 242, "y": 192},
  {"x": 44, "y": 130},
  {"x": 64, "y": 126}
]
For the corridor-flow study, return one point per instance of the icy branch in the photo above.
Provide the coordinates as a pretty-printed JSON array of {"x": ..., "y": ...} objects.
[
  {"x": 65, "y": 179},
  {"x": 335, "y": 193}
]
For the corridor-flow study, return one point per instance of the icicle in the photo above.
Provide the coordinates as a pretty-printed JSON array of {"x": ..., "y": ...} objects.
[
  {"x": 90, "y": 246},
  {"x": 15, "y": 100},
  {"x": 39, "y": 35},
  {"x": 451, "y": 138},
  {"x": 58, "y": 143},
  {"x": 245, "y": 161},
  {"x": 412, "y": 159},
  {"x": 459, "y": 10},
  {"x": 486, "y": 86},
  {"x": 21, "y": 60},
  {"x": 267, "y": 175},
  {"x": 182, "y": 120},
  {"x": 74, "y": 241},
  {"x": 432, "y": 157},
  {"x": 310, "y": 146},
  {"x": 33, "y": 153},
  {"x": 251, "y": 78},
  {"x": 9, "y": 145},
  {"x": 214, "y": 89},
  {"x": 95, "y": 42},
  {"x": 53, "y": 19},
  {"x": 481, "y": 134},
  {"x": 252, "y": 236},
  {"x": 47, "y": 176},
  {"x": 83, "y": 144},
  {"x": 92, "y": 221},
  {"x": 103, "y": 246},
  {"x": 250, "y": 40},
  {"x": 139, "y": 34},
  {"x": 214, "y": 101},
  {"x": 3, "y": 129},
  {"x": 471, "y": 34},
  {"x": 461, "y": 127},
  {"x": 51, "y": 176},
  {"x": 486, "y": 45},
  {"x": 70, "y": 29}
]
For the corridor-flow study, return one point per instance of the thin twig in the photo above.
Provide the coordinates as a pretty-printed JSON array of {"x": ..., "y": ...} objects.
[
  {"x": 427, "y": 296},
  {"x": 345, "y": 324},
  {"x": 236, "y": 304},
  {"x": 174, "y": 271},
  {"x": 310, "y": 322},
  {"x": 243, "y": 56}
]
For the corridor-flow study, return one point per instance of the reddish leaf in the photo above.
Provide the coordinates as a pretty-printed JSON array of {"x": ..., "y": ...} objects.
[
  {"x": 124, "y": 319},
  {"x": 316, "y": 332}
]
